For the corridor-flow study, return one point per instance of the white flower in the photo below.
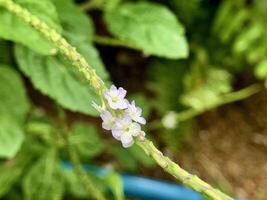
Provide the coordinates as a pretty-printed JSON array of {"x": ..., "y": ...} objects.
[
  {"x": 108, "y": 120},
  {"x": 115, "y": 97},
  {"x": 124, "y": 130},
  {"x": 170, "y": 120},
  {"x": 135, "y": 113}
]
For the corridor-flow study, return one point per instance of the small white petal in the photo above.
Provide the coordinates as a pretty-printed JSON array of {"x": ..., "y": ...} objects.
[
  {"x": 135, "y": 129},
  {"x": 108, "y": 120},
  {"x": 116, "y": 134},
  {"x": 141, "y": 120},
  {"x": 127, "y": 140}
]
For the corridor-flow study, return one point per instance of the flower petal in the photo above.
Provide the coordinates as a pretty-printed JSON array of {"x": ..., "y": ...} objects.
[{"x": 127, "y": 140}]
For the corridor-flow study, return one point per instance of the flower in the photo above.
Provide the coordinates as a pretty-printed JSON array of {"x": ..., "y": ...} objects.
[
  {"x": 108, "y": 120},
  {"x": 124, "y": 130},
  {"x": 115, "y": 97},
  {"x": 135, "y": 113},
  {"x": 169, "y": 121}
]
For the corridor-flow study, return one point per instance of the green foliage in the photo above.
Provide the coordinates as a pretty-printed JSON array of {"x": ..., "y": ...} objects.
[
  {"x": 12, "y": 28},
  {"x": 33, "y": 142},
  {"x": 166, "y": 78},
  {"x": 54, "y": 75},
  {"x": 43, "y": 180},
  {"x": 156, "y": 32},
  {"x": 208, "y": 93},
  {"x": 115, "y": 183},
  {"x": 86, "y": 140},
  {"x": 13, "y": 108},
  {"x": 14, "y": 101}
]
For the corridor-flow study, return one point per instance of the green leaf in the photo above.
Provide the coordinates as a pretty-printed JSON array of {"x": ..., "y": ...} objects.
[
  {"x": 11, "y": 137},
  {"x": 14, "y": 101},
  {"x": 86, "y": 140},
  {"x": 208, "y": 94},
  {"x": 139, "y": 155},
  {"x": 44, "y": 180},
  {"x": 55, "y": 76},
  {"x": 13, "y": 108},
  {"x": 261, "y": 70},
  {"x": 123, "y": 158},
  {"x": 150, "y": 27},
  {"x": 14, "y": 29},
  {"x": 76, "y": 187},
  {"x": 115, "y": 183},
  {"x": 11, "y": 171},
  {"x": 166, "y": 82}
]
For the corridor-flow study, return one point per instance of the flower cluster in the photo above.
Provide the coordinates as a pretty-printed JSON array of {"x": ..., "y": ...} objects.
[{"x": 121, "y": 117}]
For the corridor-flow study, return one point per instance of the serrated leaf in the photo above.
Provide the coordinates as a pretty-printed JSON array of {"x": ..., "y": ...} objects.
[
  {"x": 43, "y": 180},
  {"x": 14, "y": 29},
  {"x": 55, "y": 76},
  {"x": 148, "y": 26},
  {"x": 85, "y": 139}
]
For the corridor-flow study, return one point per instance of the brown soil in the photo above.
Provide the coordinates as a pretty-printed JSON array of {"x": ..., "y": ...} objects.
[{"x": 229, "y": 148}]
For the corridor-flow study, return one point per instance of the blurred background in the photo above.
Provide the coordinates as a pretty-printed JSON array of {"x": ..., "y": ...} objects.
[{"x": 196, "y": 67}]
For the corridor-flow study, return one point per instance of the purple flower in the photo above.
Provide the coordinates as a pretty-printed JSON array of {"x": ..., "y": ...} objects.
[
  {"x": 135, "y": 113},
  {"x": 115, "y": 97}
]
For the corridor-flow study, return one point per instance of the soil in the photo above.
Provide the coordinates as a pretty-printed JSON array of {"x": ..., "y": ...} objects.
[{"x": 229, "y": 148}]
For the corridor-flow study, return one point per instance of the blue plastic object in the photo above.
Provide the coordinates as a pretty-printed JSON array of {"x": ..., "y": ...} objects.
[{"x": 146, "y": 188}]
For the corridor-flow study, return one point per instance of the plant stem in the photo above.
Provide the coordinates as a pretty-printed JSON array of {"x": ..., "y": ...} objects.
[
  {"x": 81, "y": 174},
  {"x": 225, "y": 99},
  {"x": 102, "y": 40},
  {"x": 98, "y": 85},
  {"x": 176, "y": 171},
  {"x": 92, "y": 4}
]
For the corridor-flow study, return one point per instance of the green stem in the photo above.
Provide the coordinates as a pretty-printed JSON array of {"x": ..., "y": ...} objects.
[
  {"x": 74, "y": 158},
  {"x": 102, "y": 40},
  {"x": 176, "y": 171},
  {"x": 92, "y": 4},
  {"x": 79, "y": 61},
  {"x": 225, "y": 99}
]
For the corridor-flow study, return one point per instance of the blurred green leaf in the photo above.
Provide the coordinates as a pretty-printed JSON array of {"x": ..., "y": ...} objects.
[
  {"x": 86, "y": 140},
  {"x": 207, "y": 93},
  {"x": 14, "y": 29},
  {"x": 166, "y": 78},
  {"x": 14, "y": 101},
  {"x": 9, "y": 174},
  {"x": 44, "y": 180},
  {"x": 11, "y": 137},
  {"x": 123, "y": 158},
  {"x": 115, "y": 183},
  {"x": 150, "y": 27},
  {"x": 75, "y": 186},
  {"x": 13, "y": 108},
  {"x": 54, "y": 75},
  {"x": 261, "y": 70},
  {"x": 141, "y": 157}
]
